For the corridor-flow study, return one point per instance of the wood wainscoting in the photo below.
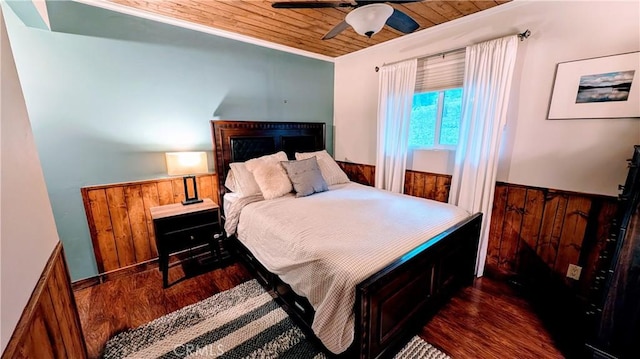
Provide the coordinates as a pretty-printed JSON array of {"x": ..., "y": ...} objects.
[
  {"x": 119, "y": 220},
  {"x": 420, "y": 184},
  {"x": 537, "y": 232},
  {"x": 427, "y": 185},
  {"x": 363, "y": 174},
  {"x": 49, "y": 326}
]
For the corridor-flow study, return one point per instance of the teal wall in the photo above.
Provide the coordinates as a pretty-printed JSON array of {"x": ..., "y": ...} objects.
[
  {"x": 26, "y": 11},
  {"x": 108, "y": 94}
]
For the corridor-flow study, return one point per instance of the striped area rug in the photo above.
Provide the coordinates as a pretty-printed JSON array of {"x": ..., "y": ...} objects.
[{"x": 243, "y": 322}]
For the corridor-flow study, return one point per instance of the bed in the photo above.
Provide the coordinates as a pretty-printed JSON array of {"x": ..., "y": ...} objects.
[{"x": 390, "y": 304}]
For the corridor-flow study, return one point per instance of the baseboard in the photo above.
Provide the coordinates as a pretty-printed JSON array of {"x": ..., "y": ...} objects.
[
  {"x": 196, "y": 253},
  {"x": 85, "y": 283},
  {"x": 497, "y": 274}
]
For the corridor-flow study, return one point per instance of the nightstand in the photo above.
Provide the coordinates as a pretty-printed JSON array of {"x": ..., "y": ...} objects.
[{"x": 179, "y": 227}]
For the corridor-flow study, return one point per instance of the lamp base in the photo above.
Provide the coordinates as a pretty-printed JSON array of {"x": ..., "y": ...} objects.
[
  {"x": 191, "y": 201},
  {"x": 188, "y": 198}
]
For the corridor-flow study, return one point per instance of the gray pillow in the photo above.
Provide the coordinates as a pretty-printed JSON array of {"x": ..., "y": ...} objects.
[{"x": 305, "y": 176}]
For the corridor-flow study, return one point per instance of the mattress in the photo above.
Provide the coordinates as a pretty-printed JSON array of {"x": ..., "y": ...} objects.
[{"x": 325, "y": 244}]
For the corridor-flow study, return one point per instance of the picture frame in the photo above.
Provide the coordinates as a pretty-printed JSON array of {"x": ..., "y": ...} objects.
[{"x": 600, "y": 87}]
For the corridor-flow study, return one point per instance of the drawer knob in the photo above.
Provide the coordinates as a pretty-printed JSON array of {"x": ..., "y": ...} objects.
[{"x": 192, "y": 238}]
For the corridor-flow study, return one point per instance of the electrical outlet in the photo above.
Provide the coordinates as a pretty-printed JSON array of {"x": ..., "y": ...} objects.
[{"x": 574, "y": 271}]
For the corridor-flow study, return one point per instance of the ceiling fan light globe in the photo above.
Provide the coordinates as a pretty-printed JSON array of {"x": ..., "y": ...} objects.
[{"x": 369, "y": 19}]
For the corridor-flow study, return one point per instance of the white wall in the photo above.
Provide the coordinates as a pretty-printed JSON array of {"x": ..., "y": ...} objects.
[
  {"x": 579, "y": 155},
  {"x": 27, "y": 230}
]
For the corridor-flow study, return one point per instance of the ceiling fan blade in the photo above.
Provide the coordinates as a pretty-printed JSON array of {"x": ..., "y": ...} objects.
[
  {"x": 402, "y": 22},
  {"x": 336, "y": 30},
  {"x": 309, "y": 5}
]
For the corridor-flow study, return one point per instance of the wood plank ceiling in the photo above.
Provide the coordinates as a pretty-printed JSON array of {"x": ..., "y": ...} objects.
[{"x": 302, "y": 28}]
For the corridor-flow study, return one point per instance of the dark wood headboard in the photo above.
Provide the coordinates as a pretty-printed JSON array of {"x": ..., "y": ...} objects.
[{"x": 238, "y": 141}]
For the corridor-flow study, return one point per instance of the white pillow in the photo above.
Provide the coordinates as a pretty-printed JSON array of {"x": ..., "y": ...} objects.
[
  {"x": 243, "y": 182},
  {"x": 270, "y": 176},
  {"x": 230, "y": 181},
  {"x": 331, "y": 171}
]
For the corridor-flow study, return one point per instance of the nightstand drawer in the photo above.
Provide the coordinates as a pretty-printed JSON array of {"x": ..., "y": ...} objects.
[
  {"x": 189, "y": 237},
  {"x": 169, "y": 225}
]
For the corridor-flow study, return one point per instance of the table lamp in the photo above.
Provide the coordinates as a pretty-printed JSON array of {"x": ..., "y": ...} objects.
[{"x": 188, "y": 164}]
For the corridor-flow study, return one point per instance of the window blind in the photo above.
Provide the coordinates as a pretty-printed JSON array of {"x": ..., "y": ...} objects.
[{"x": 440, "y": 72}]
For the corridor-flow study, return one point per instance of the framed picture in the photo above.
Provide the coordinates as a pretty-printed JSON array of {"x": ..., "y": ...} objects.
[{"x": 602, "y": 87}]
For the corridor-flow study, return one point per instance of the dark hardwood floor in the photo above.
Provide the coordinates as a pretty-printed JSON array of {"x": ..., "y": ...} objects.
[{"x": 487, "y": 320}]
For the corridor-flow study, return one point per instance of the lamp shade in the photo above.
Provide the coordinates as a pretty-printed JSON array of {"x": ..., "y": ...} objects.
[
  {"x": 369, "y": 19},
  {"x": 186, "y": 163}
]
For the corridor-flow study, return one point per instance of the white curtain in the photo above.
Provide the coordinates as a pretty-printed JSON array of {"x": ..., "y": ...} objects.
[
  {"x": 395, "y": 98},
  {"x": 488, "y": 76}
]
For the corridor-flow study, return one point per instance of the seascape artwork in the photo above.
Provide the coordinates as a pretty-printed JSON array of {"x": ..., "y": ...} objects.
[{"x": 612, "y": 86}]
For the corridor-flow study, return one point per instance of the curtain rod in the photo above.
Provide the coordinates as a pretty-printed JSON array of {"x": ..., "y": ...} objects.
[{"x": 522, "y": 36}]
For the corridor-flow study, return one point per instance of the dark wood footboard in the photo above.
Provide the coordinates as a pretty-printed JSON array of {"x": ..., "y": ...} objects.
[{"x": 395, "y": 302}]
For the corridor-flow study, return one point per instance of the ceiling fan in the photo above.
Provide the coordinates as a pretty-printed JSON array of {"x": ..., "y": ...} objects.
[{"x": 367, "y": 18}]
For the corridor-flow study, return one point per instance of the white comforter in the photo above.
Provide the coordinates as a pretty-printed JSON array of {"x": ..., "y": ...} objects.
[{"x": 325, "y": 244}]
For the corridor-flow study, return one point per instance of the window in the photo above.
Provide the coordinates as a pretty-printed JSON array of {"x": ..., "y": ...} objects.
[
  {"x": 435, "y": 118},
  {"x": 437, "y": 102}
]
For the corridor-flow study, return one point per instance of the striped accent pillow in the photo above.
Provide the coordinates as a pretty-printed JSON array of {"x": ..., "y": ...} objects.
[{"x": 331, "y": 172}]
